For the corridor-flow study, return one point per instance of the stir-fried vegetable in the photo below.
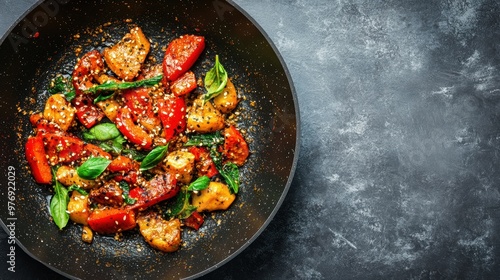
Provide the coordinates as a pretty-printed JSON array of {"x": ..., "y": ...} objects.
[{"x": 125, "y": 144}]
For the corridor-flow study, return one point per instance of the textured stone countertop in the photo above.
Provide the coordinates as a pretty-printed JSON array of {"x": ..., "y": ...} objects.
[{"x": 398, "y": 175}]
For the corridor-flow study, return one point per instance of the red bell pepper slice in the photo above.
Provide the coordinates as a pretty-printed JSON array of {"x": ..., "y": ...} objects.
[
  {"x": 89, "y": 65},
  {"x": 194, "y": 221},
  {"x": 111, "y": 220},
  {"x": 203, "y": 162},
  {"x": 61, "y": 149},
  {"x": 37, "y": 160},
  {"x": 172, "y": 113},
  {"x": 184, "y": 84},
  {"x": 138, "y": 101},
  {"x": 87, "y": 112},
  {"x": 134, "y": 133},
  {"x": 95, "y": 151},
  {"x": 181, "y": 54},
  {"x": 123, "y": 164},
  {"x": 126, "y": 168},
  {"x": 44, "y": 126},
  {"x": 235, "y": 147},
  {"x": 141, "y": 107},
  {"x": 109, "y": 194},
  {"x": 130, "y": 177},
  {"x": 160, "y": 188}
]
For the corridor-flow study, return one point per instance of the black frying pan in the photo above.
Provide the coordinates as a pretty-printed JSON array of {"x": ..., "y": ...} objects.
[{"x": 44, "y": 43}]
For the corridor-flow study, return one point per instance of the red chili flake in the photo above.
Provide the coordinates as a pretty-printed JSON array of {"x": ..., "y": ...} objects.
[{"x": 36, "y": 35}]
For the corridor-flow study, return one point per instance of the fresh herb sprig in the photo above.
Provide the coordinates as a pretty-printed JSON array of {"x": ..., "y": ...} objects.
[
  {"x": 229, "y": 171},
  {"x": 93, "y": 168},
  {"x": 62, "y": 85},
  {"x": 114, "y": 86},
  {"x": 78, "y": 189},
  {"x": 126, "y": 193},
  {"x": 59, "y": 204},
  {"x": 154, "y": 157},
  {"x": 102, "y": 132},
  {"x": 181, "y": 207},
  {"x": 206, "y": 140},
  {"x": 199, "y": 184},
  {"x": 215, "y": 80}
]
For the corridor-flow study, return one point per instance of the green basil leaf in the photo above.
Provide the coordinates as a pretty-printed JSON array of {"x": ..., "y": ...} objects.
[
  {"x": 108, "y": 147},
  {"x": 135, "y": 154},
  {"x": 154, "y": 157},
  {"x": 87, "y": 136},
  {"x": 70, "y": 95},
  {"x": 215, "y": 80},
  {"x": 114, "y": 146},
  {"x": 216, "y": 157},
  {"x": 92, "y": 168},
  {"x": 78, "y": 189},
  {"x": 206, "y": 140},
  {"x": 199, "y": 184},
  {"x": 181, "y": 207},
  {"x": 113, "y": 86},
  {"x": 59, "y": 205},
  {"x": 103, "y": 96},
  {"x": 231, "y": 174},
  {"x": 125, "y": 192},
  {"x": 102, "y": 132},
  {"x": 188, "y": 210},
  {"x": 64, "y": 86},
  {"x": 119, "y": 141},
  {"x": 229, "y": 171}
]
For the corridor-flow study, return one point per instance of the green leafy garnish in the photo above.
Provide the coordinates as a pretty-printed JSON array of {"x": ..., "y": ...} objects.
[
  {"x": 181, "y": 207},
  {"x": 114, "y": 146},
  {"x": 114, "y": 86},
  {"x": 125, "y": 192},
  {"x": 78, "y": 189},
  {"x": 64, "y": 86},
  {"x": 135, "y": 154},
  {"x": 206, "y": 140},
  {"x": 231, "y": 174},
  {"x": 93, "y": 168},
  {"x": 215, "y": 80},
  {"x": 154, "y": 157},
  {"x": 229, "y": 171},
  {"x": 59, "y": 204},
  {"x": 104, "y": 96},
  {"x": 199, "y": 184},
  {"x": 102, "y": 132}
]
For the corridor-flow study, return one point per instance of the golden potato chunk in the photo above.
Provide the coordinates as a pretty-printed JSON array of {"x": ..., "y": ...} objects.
[
  {"x": 181, "y": 164},
  {"x": 216, "y": 197},
  {"x": 78, "y": 208},
  {"x": 227, "y": 100},
  {"x": 87, "y": 234},
  {"x": 67, "y": 176},
  {"x": 159, "y": 233},
  {"x": 125, "y": 58},
  {"x": 110, "y": 108},
  {"x": 204, "y": 118},
  {"x": 59, "y": 111}
]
